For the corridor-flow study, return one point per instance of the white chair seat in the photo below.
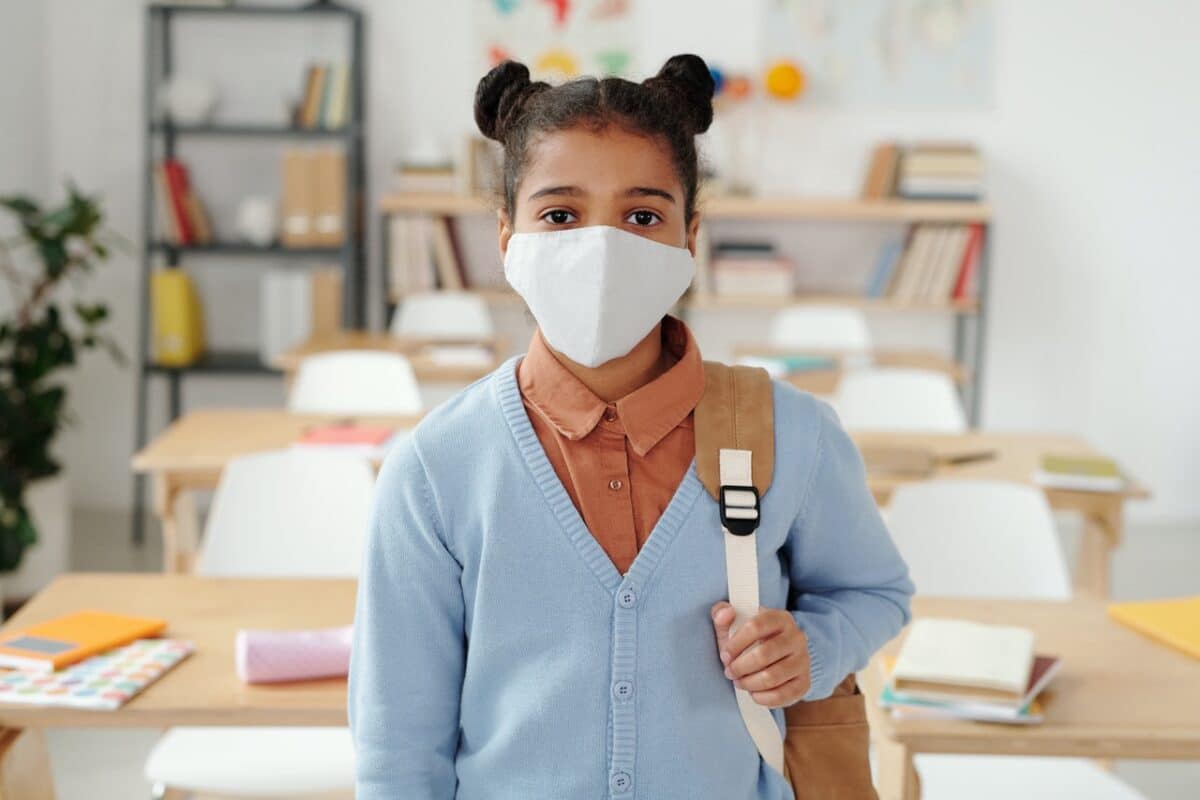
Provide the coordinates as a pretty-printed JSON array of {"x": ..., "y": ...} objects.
[
  {"x": 255, "y": 762},
  {"x": 945, "y": 777}
]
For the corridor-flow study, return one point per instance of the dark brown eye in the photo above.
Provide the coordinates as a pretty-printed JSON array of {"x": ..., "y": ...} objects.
[
  {"x": 558, "y": 216},
  {"x": 643, "y": 218}
]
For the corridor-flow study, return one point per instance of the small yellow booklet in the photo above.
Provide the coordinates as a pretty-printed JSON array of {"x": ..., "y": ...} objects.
[{"x": 1172, "y": 622}]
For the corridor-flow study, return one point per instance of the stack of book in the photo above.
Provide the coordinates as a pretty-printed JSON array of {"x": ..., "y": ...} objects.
[
  {"x": 937, "y": 262},
  {"x": 750, "y": 268},
  {"x": 424, "y": 254},
  {"x": 946, "y": 171},
  {"x": 182, "y": 217},
  {"x": 313, "y": 197},
  {"x": 366, "y": 441},
  {"x": 88, "y": 659},
  {"x": 325, "y": 99},
  {"x": 924, "y": 171},
  {"x": 953, "y": 669},
  {"x": 427, "y": 178},
  {"x": 1079, "y": 474}
]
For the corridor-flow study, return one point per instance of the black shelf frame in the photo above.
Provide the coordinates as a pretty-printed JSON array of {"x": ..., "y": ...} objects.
[{"x": 161, "y": 141}]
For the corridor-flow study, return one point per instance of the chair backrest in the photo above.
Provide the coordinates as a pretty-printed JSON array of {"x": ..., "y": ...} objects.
[
  {"x": 355, "y": 382},
  {"x": 967, "y": 538},
  {"x": 899, "y": 399},
  {"x": 288, "y": 513},
  {"x": 445, "y": 315},
  {"x": 821, "y": 328}
]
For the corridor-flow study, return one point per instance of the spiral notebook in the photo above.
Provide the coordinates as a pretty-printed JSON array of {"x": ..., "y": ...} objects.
[{"x": 106, "y": 681}]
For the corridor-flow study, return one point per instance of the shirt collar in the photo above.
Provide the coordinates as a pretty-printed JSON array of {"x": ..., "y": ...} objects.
[{"x": 648, "y": 413}]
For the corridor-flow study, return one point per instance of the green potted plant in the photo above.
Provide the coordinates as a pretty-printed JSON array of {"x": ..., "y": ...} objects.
[{"x": 41, "y": 265}]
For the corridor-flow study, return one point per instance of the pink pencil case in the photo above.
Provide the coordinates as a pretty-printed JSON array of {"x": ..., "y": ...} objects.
[{"x": 280, "y": 656}]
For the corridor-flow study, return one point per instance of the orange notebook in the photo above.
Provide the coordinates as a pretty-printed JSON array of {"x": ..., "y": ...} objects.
[
  {"x": 63, "y": 641},
  {"x": 1172, "y": 622}
]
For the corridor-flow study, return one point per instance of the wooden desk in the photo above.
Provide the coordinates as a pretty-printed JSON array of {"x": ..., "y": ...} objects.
[
  {"x": 1017, "y": 457},
  {"x": 426, "y": 368},
  {"x": 1119, "y": 695},
  {"x": 190, "y": 454},
  {"x": 825, "y": 381},
  {"x": 204, "y": 689}
]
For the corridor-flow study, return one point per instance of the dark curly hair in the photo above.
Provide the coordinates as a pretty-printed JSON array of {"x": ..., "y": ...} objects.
[{"x": 674, "y": 106}]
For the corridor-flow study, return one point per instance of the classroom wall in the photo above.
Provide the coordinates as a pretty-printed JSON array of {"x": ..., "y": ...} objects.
[{"x": 1094, "y": 176}]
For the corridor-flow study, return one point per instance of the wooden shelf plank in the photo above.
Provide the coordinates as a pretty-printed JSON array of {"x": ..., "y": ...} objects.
[
  {"x": 717, "y": 208},
  {"x": 711, "y": 301}
]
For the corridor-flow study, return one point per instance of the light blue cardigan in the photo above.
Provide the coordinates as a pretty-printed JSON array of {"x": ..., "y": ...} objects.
[{"x": 499, "y": 654}]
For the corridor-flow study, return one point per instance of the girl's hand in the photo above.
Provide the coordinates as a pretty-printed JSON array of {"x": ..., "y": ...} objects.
[{"x": 775, "y": 670}]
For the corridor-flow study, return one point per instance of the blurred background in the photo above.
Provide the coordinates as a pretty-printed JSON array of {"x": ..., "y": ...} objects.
[{"x": 997, "y": 197}]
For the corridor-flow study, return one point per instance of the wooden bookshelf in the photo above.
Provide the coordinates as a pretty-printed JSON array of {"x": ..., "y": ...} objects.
[
  {"x": 966, "y": 314},
  {"x": 717, "y": 208}
]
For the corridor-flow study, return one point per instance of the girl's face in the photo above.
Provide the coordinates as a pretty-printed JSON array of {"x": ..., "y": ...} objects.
[{"x": 578, "y": 177}]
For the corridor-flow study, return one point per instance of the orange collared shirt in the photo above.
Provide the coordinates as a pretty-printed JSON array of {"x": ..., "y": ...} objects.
[{"x": 619, "y": 462}]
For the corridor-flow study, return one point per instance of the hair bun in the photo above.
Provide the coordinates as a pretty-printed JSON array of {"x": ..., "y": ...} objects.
[
  {"x": 500, "y": 95},
  {"x": 689, "y": 78}
]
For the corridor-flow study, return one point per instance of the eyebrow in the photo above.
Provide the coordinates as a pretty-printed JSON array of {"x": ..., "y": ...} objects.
[
  {"x": 575, "y": 191},
  {"x": 650, "y": 191}
]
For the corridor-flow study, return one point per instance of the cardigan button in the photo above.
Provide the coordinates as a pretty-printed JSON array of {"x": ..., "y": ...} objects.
[
  {"x": 620, "y": 782},
  {"x": 622, "y": 690},
  {"x": 626, "y": 598}
]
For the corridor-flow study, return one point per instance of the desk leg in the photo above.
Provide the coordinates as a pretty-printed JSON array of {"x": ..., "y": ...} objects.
[
  {"x": 1103, "y": 529},
  {"x": 897, "y": 776},
  {"x": 24, "y": 765},
  {"x": 176, "y": 509}
]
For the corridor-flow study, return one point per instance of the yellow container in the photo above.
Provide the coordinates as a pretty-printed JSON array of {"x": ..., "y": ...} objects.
[{"x": 178, "y": 319}]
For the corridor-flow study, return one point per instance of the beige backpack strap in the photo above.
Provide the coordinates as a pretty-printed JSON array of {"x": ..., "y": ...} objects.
[
  {"x": 736, "y": 411},
  {"x": 735, "y": 439}
]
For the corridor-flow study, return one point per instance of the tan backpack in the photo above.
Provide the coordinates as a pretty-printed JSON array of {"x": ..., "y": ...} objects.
[{"x": 824, "y": 754}]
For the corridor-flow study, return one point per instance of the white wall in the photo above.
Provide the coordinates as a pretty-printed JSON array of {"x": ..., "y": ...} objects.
[{"x": 1094, "y": 175}]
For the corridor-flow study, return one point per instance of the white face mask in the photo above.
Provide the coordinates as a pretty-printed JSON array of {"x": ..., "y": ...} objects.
[{"x": 596, "y": 291}]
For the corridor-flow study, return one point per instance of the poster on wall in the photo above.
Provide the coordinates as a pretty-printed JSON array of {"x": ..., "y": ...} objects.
[
  {"x": 557, "y": 39},
  {"x": 897, "y": 53}
]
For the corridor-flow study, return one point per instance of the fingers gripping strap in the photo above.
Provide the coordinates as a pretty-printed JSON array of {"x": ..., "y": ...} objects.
[{"x": 741, "y": 564}]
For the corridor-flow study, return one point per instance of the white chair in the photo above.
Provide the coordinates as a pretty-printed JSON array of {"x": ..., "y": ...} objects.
[
  {"x": 446, "y": 316},
  {"x": 832, "y": 328},
  {"x": 991, "y": 539},
  {"x": 355, "y": 382},
  {"x": 899, "y": 399},
  {"x": 975, "y": 538},
  {"x": 287, "y": 513}
]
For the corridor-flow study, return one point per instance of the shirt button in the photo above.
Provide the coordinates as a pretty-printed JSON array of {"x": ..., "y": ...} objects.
[
  {"x": 615, "y": 484},
  {"x": 627, "y": 598},
  {"x": 620, "y": 782},
  {"x": 610, "y": 415},
  {"x": 622, "y": 690}
]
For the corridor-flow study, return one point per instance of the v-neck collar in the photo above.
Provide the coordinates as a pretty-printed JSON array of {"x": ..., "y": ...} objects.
[{"x": 542, "y": 471}]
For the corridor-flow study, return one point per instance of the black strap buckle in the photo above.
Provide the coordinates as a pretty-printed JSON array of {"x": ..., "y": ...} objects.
[{"x": 738, "y": 515}]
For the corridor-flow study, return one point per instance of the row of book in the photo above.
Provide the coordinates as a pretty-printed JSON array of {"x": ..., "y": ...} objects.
[
  {"x": 182, "y": 217},
  {"x": 750, "y": 268},
  {"x": 424, "y": 254},
  {"x": 936, "y": 262},
  {"x": 313, "y": 197},
  {"x": 325, "y": 99},
  {"x": 924, "y": 171},
  {"x": 955, "y": 669}
]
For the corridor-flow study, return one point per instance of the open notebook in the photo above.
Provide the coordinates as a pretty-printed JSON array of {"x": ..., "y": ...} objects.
[{"x": 106, "y": 681}]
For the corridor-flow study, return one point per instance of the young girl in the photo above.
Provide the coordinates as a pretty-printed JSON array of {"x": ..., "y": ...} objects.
[{"x": 541, "y": 612}]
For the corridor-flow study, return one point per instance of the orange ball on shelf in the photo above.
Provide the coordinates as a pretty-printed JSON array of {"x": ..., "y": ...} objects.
[{"x": 784, "y": 80}]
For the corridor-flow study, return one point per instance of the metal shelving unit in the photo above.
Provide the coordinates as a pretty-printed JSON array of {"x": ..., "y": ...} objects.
[{"x": 162, "y": 139}]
